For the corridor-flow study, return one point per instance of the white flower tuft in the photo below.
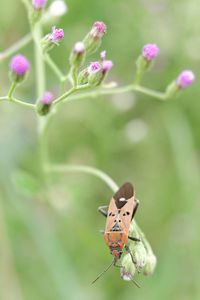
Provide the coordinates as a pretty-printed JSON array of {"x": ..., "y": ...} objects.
[{"x": 58, "y": 8}]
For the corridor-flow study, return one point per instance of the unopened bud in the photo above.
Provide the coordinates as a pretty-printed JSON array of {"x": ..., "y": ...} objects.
[
  {"x": 77, "y": 56},
  {"x": 139, "y": 254},
  {"x": 83, "y": 77},
  {"x": 150, "y": 264},
  {"x": 52, "y": 39},
  {"x": 93, "y": 39},
  {"x": 149, "y": 53},
  {"x": 19, "y": 66},
  {"x": 184, "y": 80},
  {"x": 95, "y": 74},
  {"x": 128, "y": 268},
  {"x": 44, "y": 105},
  {"x": 57, "y": 8}
]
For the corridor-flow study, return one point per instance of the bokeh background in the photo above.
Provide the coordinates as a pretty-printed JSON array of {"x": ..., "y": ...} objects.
[{"x": 50, "y": 246}]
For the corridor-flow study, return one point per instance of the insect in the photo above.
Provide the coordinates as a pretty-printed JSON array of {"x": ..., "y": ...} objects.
[{"x": 119, "y": 214}]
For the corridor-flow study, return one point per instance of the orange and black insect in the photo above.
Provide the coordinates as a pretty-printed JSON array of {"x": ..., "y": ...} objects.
[{"x": 119, "y": 214}]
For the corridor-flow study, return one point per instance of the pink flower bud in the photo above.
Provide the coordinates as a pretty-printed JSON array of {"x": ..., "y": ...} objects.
[
  {"x": 98, "y": 29},
  {"x": 94, "y": 67},
  {"x": 38, "y": 4},
  {"x": 47, "y": 98},
  {"x": 107, "y": 65},
  {"x": 185, "y": 79},
  {"x": 79, "y": 48},
  {"x": 150, "y": 51},
  {"x": 56, "y": 35},
  {"x": 19, "y": 65}
]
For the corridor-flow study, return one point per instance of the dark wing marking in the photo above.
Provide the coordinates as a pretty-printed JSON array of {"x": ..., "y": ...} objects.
[{"x": 125, "y": 192}]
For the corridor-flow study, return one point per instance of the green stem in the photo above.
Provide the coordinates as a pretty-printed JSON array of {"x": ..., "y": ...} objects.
[
  {"x": 84, "y": 169},
  {"x": 54, "y": 68},
  {"x": 71, "y": 91},
  {"x": 102, "y": 91},
  {"x": 40, "y": 69},
  {"x": 15, "y": 47},
  {"x": 138, "y": 77},
  {"x": 11, "y": 90},
  {"x": 101, "y": 175},
  {"x": 25, "y": 104}
]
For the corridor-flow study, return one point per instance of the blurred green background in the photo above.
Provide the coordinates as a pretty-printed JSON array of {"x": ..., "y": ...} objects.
[{"x": 53, "y": 249}]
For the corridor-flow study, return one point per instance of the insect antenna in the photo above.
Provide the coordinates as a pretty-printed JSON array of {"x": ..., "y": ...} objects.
[
  {"x": 135, "y": 283},
  {"x": 112, "y": 263}
]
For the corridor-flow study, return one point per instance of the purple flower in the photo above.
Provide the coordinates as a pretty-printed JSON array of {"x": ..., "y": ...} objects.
[
  {"x": 98, "y": 29},
  {"x": 150, "y": 51},
  {"x": 107, "y": 65},
  {"x": 38, "y": 4},
  {"x": 47, "y": 98},
  {"x": 185, "y": 79},
  {"x": 94, "y": 67},
  {"x": 79, "y": 48},
  {"x": 57, "y": 35},
  {"x": 19, "y": 65}
]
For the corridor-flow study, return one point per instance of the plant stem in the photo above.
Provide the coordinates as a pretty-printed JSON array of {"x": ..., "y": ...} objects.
[
  {"x": 99, "y": 174},
  {"x": 40, "y": 69},
  {"x": 25, "y": 104},
  {"x": 15, "y": 47},
  {"x": 84, "y": 169},
  {"x": 120, "y": 90},
  {"x": 11, "y": 90},
  {"x": 54, "y": 68}
]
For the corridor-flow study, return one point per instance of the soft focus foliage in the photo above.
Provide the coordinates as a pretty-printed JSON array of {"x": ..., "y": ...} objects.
[{"x": 54, "y": 251}]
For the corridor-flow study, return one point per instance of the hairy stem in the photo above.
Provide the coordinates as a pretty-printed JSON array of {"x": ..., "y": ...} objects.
[
  {"x": 15, "y": 47},
  {"x": 40, "y": 69},
  {"x": 84, "y": 169},
  {"x": 11, "y": 90},
  {"x": 54, "y": 68}
]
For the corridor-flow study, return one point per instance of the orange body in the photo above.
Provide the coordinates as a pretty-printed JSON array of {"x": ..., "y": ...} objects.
[{"x": 120, "y": 213}]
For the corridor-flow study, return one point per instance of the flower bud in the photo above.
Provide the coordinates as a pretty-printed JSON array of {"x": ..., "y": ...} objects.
[
  {"x": 19, "y": 67},
  {"x": 36, "y": 13},
  {"x": 95, "y": 73},
  {"x": 128, "y": 268},
  {"x": 83, "y": 77},
  {"x": 52, "y": 39},
  {"x": 93, "y": 39},
  {"x": 106, "y": 66},
  {"x": 185, "y": 79},
  {"x": 149, "y": 52},
  {"x": 57, "y": 9},
  {"x": 39, "y": 4},
  {"x": 139, "y": 254},
  {"x": 150, "y": 264},
  {"x": 44, "y": 105},
  {"x": 77, "y": 56}
]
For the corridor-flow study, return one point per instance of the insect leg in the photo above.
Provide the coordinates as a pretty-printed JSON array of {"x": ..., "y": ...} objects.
[
  {"x": 134, "y": 239},
  {"x": 103, "y": 210},
  {"x": 129, "y": 251},
  {"x": 136, "y": 207}
]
